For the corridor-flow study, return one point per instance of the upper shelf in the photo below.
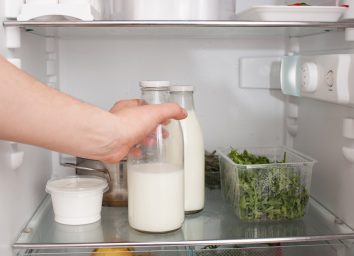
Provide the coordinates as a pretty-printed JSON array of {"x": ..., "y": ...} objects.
[
  {"x": 217, "y": 29},
  {"x": 215, "y": 225}
]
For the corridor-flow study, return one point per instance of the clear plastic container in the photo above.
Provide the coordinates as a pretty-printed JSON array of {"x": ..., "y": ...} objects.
[{"x": 279, "y": 190}]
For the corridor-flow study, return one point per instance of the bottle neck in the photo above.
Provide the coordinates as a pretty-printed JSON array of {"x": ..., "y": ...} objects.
[
  {"x": 184, "y": 99},
  {"x": 155, "y": 95}
]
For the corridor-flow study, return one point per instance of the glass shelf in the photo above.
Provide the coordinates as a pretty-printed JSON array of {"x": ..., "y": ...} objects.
[
  {"x": 318, "y": 249},
  {"x": 215, "y": 225},
  {"x": 194, "y": 29}
]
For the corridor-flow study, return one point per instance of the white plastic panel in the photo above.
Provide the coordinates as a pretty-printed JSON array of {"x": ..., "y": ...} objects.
[
  {"x": 321, "y": 77},
  {"x": 327, "y": 77}
]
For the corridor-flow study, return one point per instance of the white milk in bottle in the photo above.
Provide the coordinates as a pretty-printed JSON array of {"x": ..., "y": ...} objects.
[
  {"x": 155, "y": 172},
  {"x": 157, "y": 197},
  {"x": 194, "y": 179}
]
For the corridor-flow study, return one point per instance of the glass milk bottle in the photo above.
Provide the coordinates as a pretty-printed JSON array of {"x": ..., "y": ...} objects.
[
  {"x": 155, "y": 172},
  {"x": 194, "y": 187}
]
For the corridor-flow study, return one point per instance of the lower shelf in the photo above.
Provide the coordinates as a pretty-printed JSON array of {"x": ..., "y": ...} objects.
[
  {"x": 215, "y": 225},
  {"x": 318, "y": 249}
]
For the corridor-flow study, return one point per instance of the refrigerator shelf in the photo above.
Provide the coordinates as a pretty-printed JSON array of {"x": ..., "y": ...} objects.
[
  {"x": 215, "y": 225},
  {"x": 191, "y": 29},
  {"x": 334, "y": 248}
]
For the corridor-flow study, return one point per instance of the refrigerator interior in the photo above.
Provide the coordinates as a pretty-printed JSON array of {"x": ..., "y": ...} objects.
[
  {"x": 106, "y": 68},
  {"x": 229, "y": 115}
]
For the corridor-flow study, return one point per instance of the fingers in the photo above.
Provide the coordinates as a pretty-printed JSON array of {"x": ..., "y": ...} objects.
[
  {"x": 138, "y": 124},
  {"x": 126, "y": 104},
  {"x": 161, "y": 113},
  {"x": 151, "y": 139},
  {"x": 135, "y": 153}
]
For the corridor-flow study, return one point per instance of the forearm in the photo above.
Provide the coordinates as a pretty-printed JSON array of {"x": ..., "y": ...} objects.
[{"x": 33, "y": 113}]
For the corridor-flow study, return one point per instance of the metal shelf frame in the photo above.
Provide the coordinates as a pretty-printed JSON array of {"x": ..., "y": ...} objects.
[{"x": 169, "y": 23}]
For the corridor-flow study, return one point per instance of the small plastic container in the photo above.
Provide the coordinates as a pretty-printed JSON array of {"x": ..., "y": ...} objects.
[
  {"x": 276, "y": 191},
  {"x": 77, "y": 200}
]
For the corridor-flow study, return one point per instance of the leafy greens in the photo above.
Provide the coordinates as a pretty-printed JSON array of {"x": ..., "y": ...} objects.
[{"x": 271, "y": 192}]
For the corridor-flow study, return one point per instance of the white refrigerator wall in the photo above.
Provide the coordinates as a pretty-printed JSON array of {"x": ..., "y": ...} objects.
[
  {"x": 21, "y": 190},
  {"x": 320, "y": 136},
  {"x": 102, "y": 71}
]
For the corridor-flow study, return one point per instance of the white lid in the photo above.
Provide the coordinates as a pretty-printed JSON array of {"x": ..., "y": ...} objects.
[
  {"x": 181, "y": 88},
  {"x": 74, "y": 184},
  {"x": 154, "y": 84}
]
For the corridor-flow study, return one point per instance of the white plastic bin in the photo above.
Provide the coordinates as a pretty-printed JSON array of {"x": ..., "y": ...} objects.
[{"x": 77, "y": 200}]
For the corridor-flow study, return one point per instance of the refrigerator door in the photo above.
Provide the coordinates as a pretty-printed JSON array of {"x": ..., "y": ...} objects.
[{"x": 23, "y": 169}]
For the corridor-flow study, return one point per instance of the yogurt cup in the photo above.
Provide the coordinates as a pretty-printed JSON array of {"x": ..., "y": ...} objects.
[{"x": 77, "y": 200}]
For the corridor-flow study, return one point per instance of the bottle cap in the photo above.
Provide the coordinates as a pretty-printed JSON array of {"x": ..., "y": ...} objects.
[
  {"x": 147, "y": 84},
  {"x": 181, "y": 88}
]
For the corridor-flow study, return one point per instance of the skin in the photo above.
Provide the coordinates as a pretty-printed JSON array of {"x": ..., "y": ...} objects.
[{"x": 33, "y": 113}]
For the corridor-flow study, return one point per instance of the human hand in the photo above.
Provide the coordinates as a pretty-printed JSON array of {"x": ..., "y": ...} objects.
[
  {"x": 38, "y": 115},
  {"x": 136, "y": 121}
]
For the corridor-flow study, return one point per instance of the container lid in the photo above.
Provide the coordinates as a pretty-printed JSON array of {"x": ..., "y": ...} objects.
[
  {"x": 181, "y": 88},
  {"x": 74, "y": 184},
  {"x": 149, "y": 84}
]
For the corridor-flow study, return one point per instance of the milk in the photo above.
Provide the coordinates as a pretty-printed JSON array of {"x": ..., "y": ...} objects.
[
  {"x": 174, "y": 143},
  {"x": 194, "y": 187},
  {"x": 156, "y": 197}
]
